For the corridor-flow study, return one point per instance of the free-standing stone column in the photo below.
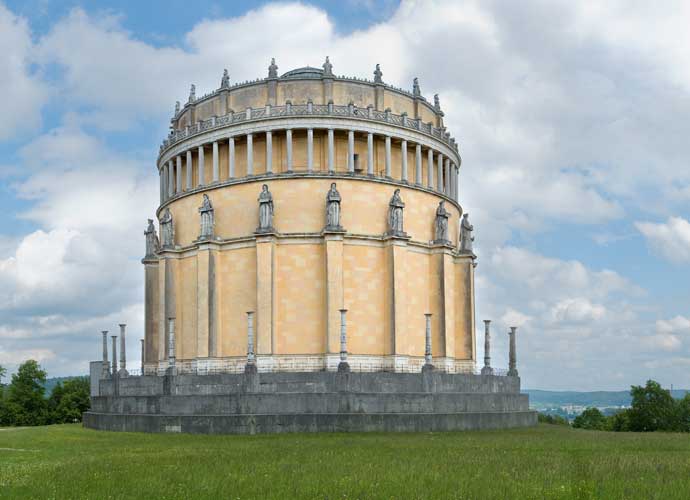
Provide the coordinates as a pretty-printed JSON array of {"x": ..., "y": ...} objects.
[
  {"x": 487, "y": 370},
  {"x": 172, "y": 369},
  {"x": 106, "y": 366},
  {"x": 310, "y": 149},
  {"x": 171, "y": 178},
  {"x": 114, "y": 339},
  {"x": 343, "y": 366},
  {"x": 231, "y": 157},
  {"x": 370, "y": 154},
  {"x": 428, "y": 360},
  {"x": 216, "y": 162},
  {"x": 439, "y": 173},
  {"x": 202, "y": 174},
  {"x": 403, "y": 154},
  {"x": 288, "y": 145},
  {"x": 446, "y": 184},
  {"x": 190, "y": 182},
  {"x": 388, "y": 156},
  {"x": 351, "y": 151},
  {"x": 430, "y": 168},
  {"x": 142, "y": 355},
  {"x": 331, "y": 148},
  {"x": 512, "y": 356},
  {"x": 418, "y": 165},
  {"x": 250, "y": 154},
  {"x": 250, "y": 367},
  {"x": 160, "y": 181},
  {"x": 269, "y": 152},
  {"x": 123, "y": 351},
  {"x": 178, "y": 174}
]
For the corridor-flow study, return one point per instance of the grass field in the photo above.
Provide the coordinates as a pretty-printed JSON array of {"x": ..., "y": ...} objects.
[{"x": 66, "y": 461}]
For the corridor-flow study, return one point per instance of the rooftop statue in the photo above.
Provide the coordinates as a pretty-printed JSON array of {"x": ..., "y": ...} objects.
[
  {"x": 333, "y": 209},
  {"x": 327, "y": 68},
  {"x": 192, "y": 93},
  {"x": 378, "y": 74},
  {"x": 167, "y": 229},
  {"x": 415, "y": 87},
  {"x": 466, "y": 237},
  {"x": 177, "y": 107},
  {"x": 152, "y": 243},
  {"x": 395, "y": 215},
  {"x": 441, "y": 224},
  {"x": 265, "y": 210},
  {"x": 437, "y": 102},
  {"x": 207, "y": 219},
  {"x": 225, "y": 81},
  {"x": 273, "y": 69}
]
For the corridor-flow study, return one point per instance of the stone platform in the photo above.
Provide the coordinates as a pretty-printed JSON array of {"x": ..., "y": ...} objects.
[{"x": 308, "y": 402}]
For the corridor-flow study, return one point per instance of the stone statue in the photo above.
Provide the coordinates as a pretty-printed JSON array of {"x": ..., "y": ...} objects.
[
  {"x": 207, "y": 219},
  {"x": 378, "y": 74},
  {"x": 167, "y": 229},
  {"x": 225, "y": 81},
  {"x": 466, "y": 237},
  {"x": 273, "y": 69},
  {"x": 152, "y": 243},
  {"x": 333, "y": 209},
  {"x": 192, "y": 93},
  {"x": 437, "y": 102},
  {"x": 265, "y": 210},
  {"x": 395, "y": 215},
  {"x": 441, "y": 224},
  {"x": 327, "y": 68},
  {"x": 177, "y": 108},
  {"x": 415, "y": 87}
]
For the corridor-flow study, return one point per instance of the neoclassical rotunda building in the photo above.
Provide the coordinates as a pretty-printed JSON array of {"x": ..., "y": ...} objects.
[{"x": 297, "y": 201}]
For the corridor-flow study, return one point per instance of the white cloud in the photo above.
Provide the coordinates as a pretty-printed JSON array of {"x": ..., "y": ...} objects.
[{"x": 670, "y": 239}]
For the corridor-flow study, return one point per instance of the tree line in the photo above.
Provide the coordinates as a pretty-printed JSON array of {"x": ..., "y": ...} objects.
[
  {"x": 652, "y": 408},
  {"x": 23, "y": 401}
]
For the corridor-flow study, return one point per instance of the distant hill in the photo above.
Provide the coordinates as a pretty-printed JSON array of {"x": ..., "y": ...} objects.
[
  {"x": 546, "y": 399},
  {"x": 53, "y": 381}
]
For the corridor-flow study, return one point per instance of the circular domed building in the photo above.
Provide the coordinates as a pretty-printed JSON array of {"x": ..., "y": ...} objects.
[{"x": 309, "y": 225}]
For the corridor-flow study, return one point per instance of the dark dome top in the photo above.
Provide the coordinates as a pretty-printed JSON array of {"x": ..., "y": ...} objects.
[{"x": 306, "y": 72}]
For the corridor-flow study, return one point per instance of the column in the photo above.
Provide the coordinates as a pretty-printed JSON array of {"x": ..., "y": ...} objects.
[
  {"x": 388, "y": 156},
  {"x": 123, "y": 351},
  {"x": 250, "y": 367},
  {"x": 403, "y": 154},
  {"x": 288, "y": 142},
  {"x": 216, "y": 164},
  {"x": 171, "y": 178},
  {"x": 161, "y": 180},
  {"x": 310, "y": 149},
  {"x": 446, "y": 185},
  {"x": 105, "y": 373},
  {"x": 142, "y": 355},
  {"x": 455, "y": 182},
  {"x": 418, "y": 165},
  {"x": 486, "y": 370},
  {"x": 370, "y": 154},
  {"x": 171, "y": 347},
  {"x": 428, "y": 359},
  {"x": 269, "y": 152},
  {"x": 351, "y": 151},
  {"x": 189, "y": 183},
  {"x": 231, "y": 158},
  {"x": 439, "y": 174},
  {"x": 430, "y": 168},
  {"x": 343, "y": 366},
  {"x": 178, "y": 174},
  {"x": 250, "y": 154},
  {"x": 512, "y": 355},
  {"x": 331, "y": 148},
  {"x": 202, "y": 177},
  {"x": 114, "y": 339}
]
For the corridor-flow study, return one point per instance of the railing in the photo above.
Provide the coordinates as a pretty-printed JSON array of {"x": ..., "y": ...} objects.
[{"x": 308, "y": 110}]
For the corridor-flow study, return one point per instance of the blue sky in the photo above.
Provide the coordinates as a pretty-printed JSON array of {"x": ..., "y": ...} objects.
[{"x": 571, "y": 118}]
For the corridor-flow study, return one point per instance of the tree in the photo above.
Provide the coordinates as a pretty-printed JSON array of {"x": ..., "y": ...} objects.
[
  {"x": 3, "y": 372},
  {"x": 620, "y": 422},
  {"x": 653, "y": 409},
  {"x": 684, "y": 414},
  {"x": 591, "y": 419},
  {"x": 69, "y": 400},
  {"x": 25, "y": 402}
]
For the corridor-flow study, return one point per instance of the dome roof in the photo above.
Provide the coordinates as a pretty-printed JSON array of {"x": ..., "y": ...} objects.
[{"x": 306, "y": 72}]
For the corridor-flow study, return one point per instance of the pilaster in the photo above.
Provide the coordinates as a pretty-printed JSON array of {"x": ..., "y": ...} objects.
[
  {"x": 265, "y": 293},
  {"x": 398, "y": 300},
  {"x": 448, "y": 297},
  {"x": 334, "y": 289},
  {"x": 151, "y": 310}
]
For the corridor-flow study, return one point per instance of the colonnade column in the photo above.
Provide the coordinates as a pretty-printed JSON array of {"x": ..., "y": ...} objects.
[
  {"x": 430, "y": 168},
  {"x": 216, "y": 164},
  {"x": 439, "y": 174},
  {"x": 188, "y": 164},
  {"x": 178, "y": 174},
  {"x": 388, "y": 156},
  {"x": 331, "y": 163},
  {"x": 418, "y": 165},
  {"x": 171, "y": 186},
  {"x": 202, "y": 178},
  {"x": 160, "y": 182},
  {"x": 403, "y": 153},
  {"x": 310, "y": 149},
  {"x": 269, "y": 152},
  {"x": 351, "y": 151},
  {"x": 288, "y": 142},
  {"x": 231, "y": 157},
  {"x": 370, "y": 154},
  {"x": 250, "y": 154},
  {"x": 454, "y": 183},
  {"x": 447, "y": 177}
]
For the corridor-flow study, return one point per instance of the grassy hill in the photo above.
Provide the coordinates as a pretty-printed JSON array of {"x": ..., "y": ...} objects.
[{"x": 543, "y": 462}]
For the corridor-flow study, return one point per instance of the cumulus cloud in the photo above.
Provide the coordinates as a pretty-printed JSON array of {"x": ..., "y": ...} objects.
[{"x": 671, "y": 239}]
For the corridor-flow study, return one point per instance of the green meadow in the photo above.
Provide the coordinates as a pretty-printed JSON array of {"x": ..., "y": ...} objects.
[{"x": 67, "y": 461}]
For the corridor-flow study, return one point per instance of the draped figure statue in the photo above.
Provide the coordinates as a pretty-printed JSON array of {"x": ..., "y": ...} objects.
[
  {"x": 207, "y": 219},
  {"x": 466, "y": 237},
  {"x": 441, "y": 224},
  {"x": 395, "y": 215},
  {"x": 265, "y": 210},
  {"x": 333, "y": 209},
  {"x": 167, "y": 229},
  {"x": 152, "y": 243}
]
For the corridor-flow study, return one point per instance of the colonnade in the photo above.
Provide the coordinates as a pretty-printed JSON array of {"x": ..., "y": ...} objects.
[{"x": 441, "y": 171}]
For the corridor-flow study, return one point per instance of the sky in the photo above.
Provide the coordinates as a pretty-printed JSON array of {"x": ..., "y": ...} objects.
[{"x": 572, "y": 121}]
